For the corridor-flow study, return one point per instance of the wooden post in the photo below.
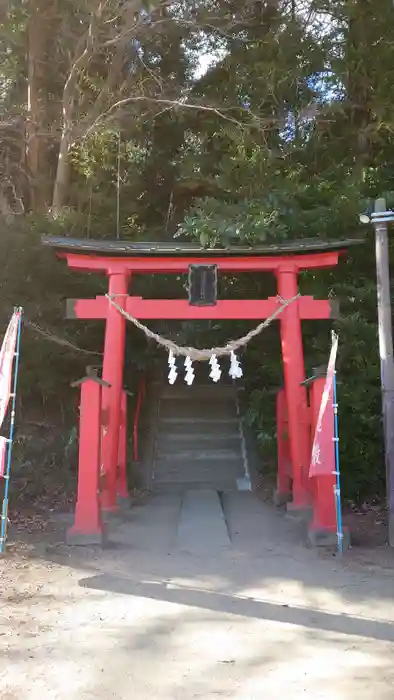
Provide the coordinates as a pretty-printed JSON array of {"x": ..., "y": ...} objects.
[
  {"x": 87, "y": 528},
  {"x": 380, "y": 220}
]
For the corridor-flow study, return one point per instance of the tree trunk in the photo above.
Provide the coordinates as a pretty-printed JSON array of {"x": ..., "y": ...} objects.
[
  {"x": 359, "y": 84},
  {"x": 36, "y": 128},
  {"x": 62, "y": 178},
  {"x": 83, "y": 54}
]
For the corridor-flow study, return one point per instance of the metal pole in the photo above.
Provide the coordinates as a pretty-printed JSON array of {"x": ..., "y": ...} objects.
[
  {"x": 118, "y": 191},
  {"x": 337, "y": 488},
  {"x": 380, "y": 219},
  {"x": 4, "y": 513}
]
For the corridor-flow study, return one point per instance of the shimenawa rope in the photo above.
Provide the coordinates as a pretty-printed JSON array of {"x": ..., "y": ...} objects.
[
  {"x": 205, "y": 354},
  {"x": 59, "y": 341}
]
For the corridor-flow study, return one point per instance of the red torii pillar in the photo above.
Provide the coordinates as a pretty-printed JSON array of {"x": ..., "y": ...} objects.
[
  {"x": 295, "y": 390},
  {"x": 286, "y": 270},
  {"x": 113, "y": 365}
]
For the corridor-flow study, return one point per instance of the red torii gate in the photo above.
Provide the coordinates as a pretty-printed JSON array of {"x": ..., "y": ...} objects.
[{"x": 120, "y": 260}]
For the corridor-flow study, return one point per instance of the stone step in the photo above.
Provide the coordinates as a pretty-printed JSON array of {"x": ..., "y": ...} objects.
[
  {"x": 180, "y": 488},
  {"x": 202, "y": 423},
  {"x": 195, "y": 469},
  {"x": 185, "y": 440},
  {"x": 192, "y": 430},
  {"x": 197, "y": 454},
  {"x": 183, "y": 474},
  {"x": 178, "y": 437},
  {"x": 197, "y": 444},
  {"x": 203, "y": 409},
  {"x": 202, "y": 527},
  {"x": 182, "y": 392}
]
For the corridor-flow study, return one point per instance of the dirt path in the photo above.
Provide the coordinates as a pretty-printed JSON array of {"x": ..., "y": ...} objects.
[{"x": 267, "y": 619}]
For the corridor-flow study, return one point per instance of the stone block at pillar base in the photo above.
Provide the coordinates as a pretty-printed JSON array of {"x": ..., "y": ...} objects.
[
  {"x": 84, "y": 539},
  {"x": 109, "y": 509},
  {"x": 109, "y": 506},
  {"x": 124, "y": 502},
  {"x": 297, "y": 512},
  {"x": 110, "y": 516},
  {"x": 328, "y": 538},
  {"x": 281, "y": 498}
]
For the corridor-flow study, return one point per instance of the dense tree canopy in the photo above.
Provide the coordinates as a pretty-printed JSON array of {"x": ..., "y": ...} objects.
[{"x": 220, "y": 121}]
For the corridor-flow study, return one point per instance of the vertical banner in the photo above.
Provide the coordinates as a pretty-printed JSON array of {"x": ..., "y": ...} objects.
[
  {"x": 323, "y": 447},
  {"x": 8, "y": 375},
  {"x": 3, "y": 455},
  {"x": 7, "y": 354}
]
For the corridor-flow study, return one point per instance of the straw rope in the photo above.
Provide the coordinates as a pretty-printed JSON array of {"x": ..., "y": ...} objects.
[
  {"x": 205, "y": 354},
  {"x": 57, "y": 340}
]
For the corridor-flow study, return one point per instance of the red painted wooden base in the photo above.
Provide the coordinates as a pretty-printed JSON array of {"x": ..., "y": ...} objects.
[{"x": 87, "y": 527}]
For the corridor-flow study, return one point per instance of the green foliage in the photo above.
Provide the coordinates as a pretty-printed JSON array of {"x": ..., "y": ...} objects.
[
  {"x": 285, "y": 213},
  {"x": 221, "y": 224},
  {"x": 32, "y": 279}
]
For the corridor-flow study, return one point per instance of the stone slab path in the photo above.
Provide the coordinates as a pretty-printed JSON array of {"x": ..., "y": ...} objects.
[{"x": 264, "y": 617}]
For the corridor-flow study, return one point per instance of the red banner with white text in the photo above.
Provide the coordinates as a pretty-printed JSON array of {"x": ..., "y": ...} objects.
[
  {"x": 7, "y": 354},
  {"x": 323, "y": 446}
]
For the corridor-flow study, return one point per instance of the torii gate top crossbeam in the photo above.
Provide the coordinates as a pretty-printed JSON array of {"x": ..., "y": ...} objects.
[
  {"x": 113, "y": 257},
  {"x": 88, "y": 263}
]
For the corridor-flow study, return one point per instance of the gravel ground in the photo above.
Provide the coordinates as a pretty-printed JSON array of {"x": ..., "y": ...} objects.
[{"x": 269, "y": 618}]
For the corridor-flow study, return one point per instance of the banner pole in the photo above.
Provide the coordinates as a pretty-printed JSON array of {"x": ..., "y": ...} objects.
[
  {"x": 4, "y": 512},
  {"x": 337, "y": 487}
]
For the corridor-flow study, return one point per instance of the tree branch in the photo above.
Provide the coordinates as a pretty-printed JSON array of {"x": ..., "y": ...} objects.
[
  {"x": 170, "y": 104},
  {"x": 81, "y": 57}
]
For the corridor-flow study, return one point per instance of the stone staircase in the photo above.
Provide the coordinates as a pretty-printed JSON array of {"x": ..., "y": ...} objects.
[{"x": 199, "y": 442}]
